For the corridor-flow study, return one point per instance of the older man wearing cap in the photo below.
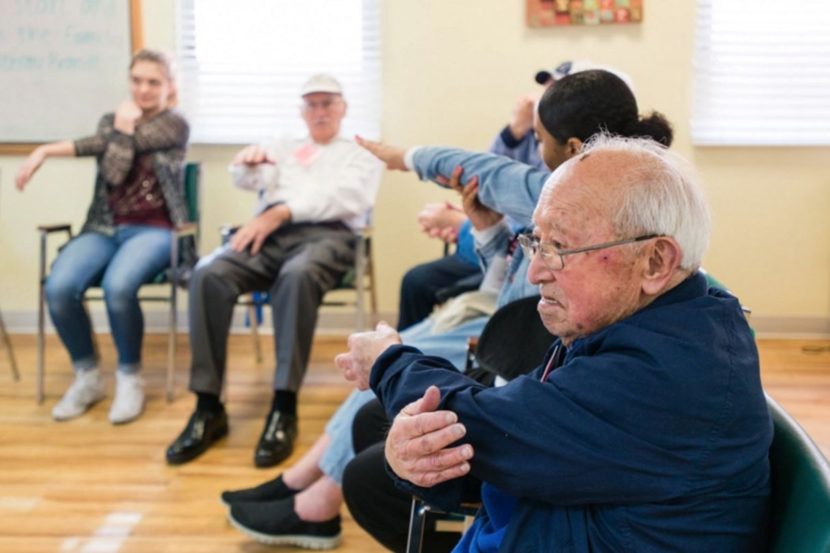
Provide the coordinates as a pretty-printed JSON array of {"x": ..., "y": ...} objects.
[{"x": 312, "y": 194}]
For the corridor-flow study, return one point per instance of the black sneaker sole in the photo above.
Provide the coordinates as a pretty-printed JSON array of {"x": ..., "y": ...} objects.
[{"x": 299, "y": 540}]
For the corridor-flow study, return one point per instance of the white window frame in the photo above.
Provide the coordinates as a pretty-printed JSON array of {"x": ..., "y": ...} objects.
[
  {"x": 241, "y": 84},
  {"x": 761, "y": 73}
]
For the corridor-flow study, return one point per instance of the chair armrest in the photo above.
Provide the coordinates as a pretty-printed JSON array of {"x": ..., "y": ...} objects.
[
  {"x": 59, "y": 227},
  {"x": 226, "y": 230},
  {"x": 186, "y": 229},
  {"x": 470, "y": 357},
  {"x": 466, "y": 284},
  {"x": 45, "y": 231}
]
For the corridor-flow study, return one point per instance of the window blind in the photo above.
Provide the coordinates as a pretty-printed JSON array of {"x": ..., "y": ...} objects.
[
  {"x": 762, "y": 73},
  {"x": 242, "y": 64}
]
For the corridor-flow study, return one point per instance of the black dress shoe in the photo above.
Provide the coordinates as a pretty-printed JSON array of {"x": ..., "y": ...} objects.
[
  {"x": 277, "y": 440},
  {"x": 267, "y": 491},
  {"x": 202, "y": 430},
  {"x": 276, "y": 523}
]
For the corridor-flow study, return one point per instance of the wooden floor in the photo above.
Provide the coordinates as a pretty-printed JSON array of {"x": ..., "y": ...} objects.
[{"x": 85, "y": 486}]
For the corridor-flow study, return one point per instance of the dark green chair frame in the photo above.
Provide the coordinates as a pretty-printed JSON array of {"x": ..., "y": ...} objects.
[
  {"x": 800, "y": 488},
  {"x": 169, "y": 278}
]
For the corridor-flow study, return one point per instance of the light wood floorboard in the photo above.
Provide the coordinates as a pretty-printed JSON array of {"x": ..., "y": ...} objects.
[{"x": 85, "y": 485}]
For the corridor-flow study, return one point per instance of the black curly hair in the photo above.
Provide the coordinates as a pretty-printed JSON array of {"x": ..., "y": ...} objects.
[{"x": 585, "y": 103}]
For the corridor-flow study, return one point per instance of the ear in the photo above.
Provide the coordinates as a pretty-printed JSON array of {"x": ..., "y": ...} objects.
[
  {"x": 573, "y": 146},
  {"x": 664, "y": 258}
]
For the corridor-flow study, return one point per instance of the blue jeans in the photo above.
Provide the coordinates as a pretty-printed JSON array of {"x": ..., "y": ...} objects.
[
  {"x": 421, "y": 284},
  {"x": 120, "y": 264}
]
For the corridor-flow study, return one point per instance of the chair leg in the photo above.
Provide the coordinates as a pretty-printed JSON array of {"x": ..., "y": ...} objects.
[
  {"x": 171, "y": 342},
  {"x": 373, "y": 293},
  {"x": 417, "y": 523},
  {"x": 9, "y": 351},
  {"x": 41, "y": 316},
  {"x": 254, "y": 321},
  {"x": 360, "y": 283},
  {"x": 173, "y": 318}
]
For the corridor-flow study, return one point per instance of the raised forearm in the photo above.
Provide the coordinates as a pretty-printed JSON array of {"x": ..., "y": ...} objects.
[
  {"x": 63, "y": 148},
  {"x": 166, "y": 130},
  {"x": 506, "y": 186}
]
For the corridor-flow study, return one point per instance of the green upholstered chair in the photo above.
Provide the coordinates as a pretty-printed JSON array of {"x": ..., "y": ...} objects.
[
  {"x": 169, "y": 279},
  {"x": 715, "y": 283},
  {"x": 800, "y": 489}
]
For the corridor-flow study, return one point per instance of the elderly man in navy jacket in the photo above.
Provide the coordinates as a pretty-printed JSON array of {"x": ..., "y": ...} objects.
[{"x": 644, "y": 429}]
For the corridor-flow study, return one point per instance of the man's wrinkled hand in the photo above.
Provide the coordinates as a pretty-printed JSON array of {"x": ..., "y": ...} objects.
[
  {"x": 252, "y": 155},
  {"x": 417, "y": 446},
  {"x": 254, "y": 232},
  {"x": 364, "y": 349}
]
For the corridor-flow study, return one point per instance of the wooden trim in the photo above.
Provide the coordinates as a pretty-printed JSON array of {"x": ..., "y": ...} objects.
[
  {"x": 136, "y": 25},
  {"x": 16, "y": 149},
  {"x": 136, "y": 44}
]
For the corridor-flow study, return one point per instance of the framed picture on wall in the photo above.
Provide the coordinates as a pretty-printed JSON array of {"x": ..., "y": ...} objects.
[{"x": 544, "y": 13}]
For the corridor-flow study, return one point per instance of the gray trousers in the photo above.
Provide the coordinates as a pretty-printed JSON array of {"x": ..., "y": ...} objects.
[{"x": 297, "y": 265}]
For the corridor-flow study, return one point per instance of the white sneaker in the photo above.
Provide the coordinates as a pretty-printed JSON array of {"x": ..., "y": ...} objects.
[
  {"x": 86, "y": 391},
  {"x": 129, "y": 398}
]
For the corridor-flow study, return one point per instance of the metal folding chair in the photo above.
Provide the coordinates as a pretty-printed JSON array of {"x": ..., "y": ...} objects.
[{"x": 170, "y": 278}]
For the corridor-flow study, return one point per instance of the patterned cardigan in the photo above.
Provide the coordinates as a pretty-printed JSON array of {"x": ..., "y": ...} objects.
[{"x": 165, "y": 136}]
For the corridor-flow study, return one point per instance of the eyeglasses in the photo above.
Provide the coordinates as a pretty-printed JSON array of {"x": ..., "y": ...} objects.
[
  {"x": 324, "y": 105},
  {"x": 555, "y": 259}
]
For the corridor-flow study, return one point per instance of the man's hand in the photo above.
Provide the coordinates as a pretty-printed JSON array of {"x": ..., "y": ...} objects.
[
  {"x": 364, "y": 349},
  {"x": 441, "y": 221},
  {"x": 126, "y": 116},
  {"x": 252, "y": 155},
  {"x": 480, "y": 215},
  {"x": 392, "y": 156},
  {"x": 416, "y": 446},
  {"x": 255, "y": 232},
  {"x": 522, "y": 120}
]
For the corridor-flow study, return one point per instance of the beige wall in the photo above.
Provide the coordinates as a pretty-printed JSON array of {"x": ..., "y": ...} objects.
[{"x": 451, "y": 72}]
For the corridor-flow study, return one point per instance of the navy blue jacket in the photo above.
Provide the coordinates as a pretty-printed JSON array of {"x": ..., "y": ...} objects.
[{"x": 653, "y": 435}]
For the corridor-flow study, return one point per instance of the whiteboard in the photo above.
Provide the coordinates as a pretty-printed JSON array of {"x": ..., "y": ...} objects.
[{"x": 63, "y": 63}]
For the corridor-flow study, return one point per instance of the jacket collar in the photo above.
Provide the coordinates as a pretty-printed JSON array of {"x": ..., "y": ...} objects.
[{"x": 693, "y": 287}]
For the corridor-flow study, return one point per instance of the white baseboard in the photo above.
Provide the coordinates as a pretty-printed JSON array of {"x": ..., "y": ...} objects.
[
  {"x": 792, "y": 328},
  {"x": 328, "y": 323},
  {"x": 343, "y": 323}
]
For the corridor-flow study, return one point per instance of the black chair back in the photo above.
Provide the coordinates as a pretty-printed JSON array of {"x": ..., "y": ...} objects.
[{"x": 514, "y": 341}]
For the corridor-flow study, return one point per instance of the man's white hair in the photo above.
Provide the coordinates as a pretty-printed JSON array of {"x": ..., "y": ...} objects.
[{"x": 662, "y": 195}]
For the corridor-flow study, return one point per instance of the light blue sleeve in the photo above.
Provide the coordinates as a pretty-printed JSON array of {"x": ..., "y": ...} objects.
[
  {"x": 525, "y": 150},
  {"x": 502, "y": 244},
  {"x": 495, "y": 246},
  {"x": 507, "y": 186},
  {"x": 465, "y": 247},
  {"x": 516, "y": 286}
]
